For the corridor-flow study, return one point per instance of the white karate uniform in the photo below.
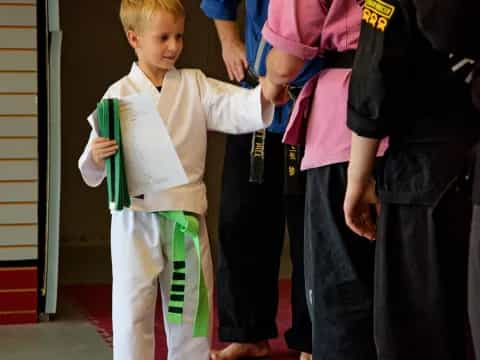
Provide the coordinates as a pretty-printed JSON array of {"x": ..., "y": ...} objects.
[{"x": 190, "y": 104}]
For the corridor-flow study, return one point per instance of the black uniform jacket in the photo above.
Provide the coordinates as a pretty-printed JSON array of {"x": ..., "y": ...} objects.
[{"x": 412, "y": 81}]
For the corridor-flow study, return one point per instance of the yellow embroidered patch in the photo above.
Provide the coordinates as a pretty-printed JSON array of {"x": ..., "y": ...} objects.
[
  {"x": 377, "y": 13},
  {"x": 292, "y": 171},
  {"x": 380, "y": 8}
]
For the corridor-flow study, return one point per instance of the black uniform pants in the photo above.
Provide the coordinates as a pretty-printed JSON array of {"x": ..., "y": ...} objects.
[
  {"x": 252, "y": 231},
  {"x": 339, "y": 268},
  {"x": 474, "y": 279},
  {"x": 421, "y": 262},
  {"x": 474, "y": 260}
]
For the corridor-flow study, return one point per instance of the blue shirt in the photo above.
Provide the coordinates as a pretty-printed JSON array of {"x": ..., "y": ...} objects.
[{"x": 256, "y": 16}]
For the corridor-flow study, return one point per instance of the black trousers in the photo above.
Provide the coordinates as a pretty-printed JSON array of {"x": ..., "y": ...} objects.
[
  {"x": 474, "y": 279},
  {"x": 252, "y": 231},
  {"x": 474, "y": 258},
  {"x": 422, "y": 253},
  {"x": 339, "y": 268}
]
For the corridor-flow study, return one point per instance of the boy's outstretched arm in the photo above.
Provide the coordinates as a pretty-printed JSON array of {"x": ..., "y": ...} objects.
[{"x": 232, "y": 109}]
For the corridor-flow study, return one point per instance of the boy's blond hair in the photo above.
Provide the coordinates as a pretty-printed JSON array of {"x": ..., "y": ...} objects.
[{"x": 135, "y": 13}]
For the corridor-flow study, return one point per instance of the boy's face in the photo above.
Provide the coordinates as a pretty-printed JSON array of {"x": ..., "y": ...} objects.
[{"x": 160, "y": 43}]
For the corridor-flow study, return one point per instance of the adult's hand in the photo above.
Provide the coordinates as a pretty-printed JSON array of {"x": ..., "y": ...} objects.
[
  {"x": 235, "y": 58},
  {"x": 233, "y": 49},
  {"x": 360, "y": 200}
]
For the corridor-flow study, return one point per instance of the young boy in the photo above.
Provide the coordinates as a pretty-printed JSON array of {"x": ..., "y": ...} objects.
[{"x": 190, "y": 104}]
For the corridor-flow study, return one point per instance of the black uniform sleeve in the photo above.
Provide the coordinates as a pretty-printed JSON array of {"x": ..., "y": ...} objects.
[
  {"x": 376, "y": 64},
  {"x": 401, "y": 61}
]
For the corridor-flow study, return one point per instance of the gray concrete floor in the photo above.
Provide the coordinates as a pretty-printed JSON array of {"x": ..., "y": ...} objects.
[{"x": 68, "y": 337}]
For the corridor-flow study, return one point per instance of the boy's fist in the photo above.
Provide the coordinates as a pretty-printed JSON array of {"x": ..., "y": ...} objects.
[{"x": 103, "y": 148}]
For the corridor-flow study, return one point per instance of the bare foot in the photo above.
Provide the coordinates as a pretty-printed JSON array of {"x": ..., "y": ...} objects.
[
  {"x": 305, "y": 356},
  {"x": 237, "y": 351}
]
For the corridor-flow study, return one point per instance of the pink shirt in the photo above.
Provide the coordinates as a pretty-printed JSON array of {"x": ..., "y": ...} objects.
[{"x": 307, "y": 29}]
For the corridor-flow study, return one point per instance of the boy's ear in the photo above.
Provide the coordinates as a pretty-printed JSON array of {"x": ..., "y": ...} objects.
[{"x": 132, "y": 39}]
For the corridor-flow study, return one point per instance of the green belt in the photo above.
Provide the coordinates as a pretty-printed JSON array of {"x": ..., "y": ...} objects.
[
  {"x": 186, "y": 225},
  {"x": 108, "y": 112}
]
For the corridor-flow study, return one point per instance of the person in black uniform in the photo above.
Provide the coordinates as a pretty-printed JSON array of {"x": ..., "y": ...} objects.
[{"x": 407, "y": 85}]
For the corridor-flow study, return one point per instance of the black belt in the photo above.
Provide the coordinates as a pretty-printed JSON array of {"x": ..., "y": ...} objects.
[
  {"x": 339, "y": 60},
  {"x": 293, "y": 180}
]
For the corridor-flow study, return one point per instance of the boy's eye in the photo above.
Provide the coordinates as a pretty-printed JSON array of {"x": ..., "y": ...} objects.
[
  {"x": 163, "y": 38},
  {"x": 179, "y": 36}
]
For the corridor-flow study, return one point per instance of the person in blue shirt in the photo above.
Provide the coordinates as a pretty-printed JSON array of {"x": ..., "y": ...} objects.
[{"x": 256, "y": 205}]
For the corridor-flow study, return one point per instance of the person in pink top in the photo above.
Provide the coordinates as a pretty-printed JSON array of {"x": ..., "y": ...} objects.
[{"x": 339, "y": 264}]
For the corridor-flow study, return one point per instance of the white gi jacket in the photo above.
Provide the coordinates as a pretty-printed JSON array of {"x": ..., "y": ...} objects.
[{"x": 190, "y": 104}]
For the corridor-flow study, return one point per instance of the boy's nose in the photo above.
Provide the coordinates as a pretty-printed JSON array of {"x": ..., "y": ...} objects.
[{"x": 173, "y": 45}]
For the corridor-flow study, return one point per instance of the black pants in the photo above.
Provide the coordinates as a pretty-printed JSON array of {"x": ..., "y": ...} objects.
[
  {"x": 474, "y": 279},
  {"x": 474, "y": 258},
  {"x": 339, "y": 268},
  {"x": 252, "y": 230},
  {"x": 421, "y": 259}
]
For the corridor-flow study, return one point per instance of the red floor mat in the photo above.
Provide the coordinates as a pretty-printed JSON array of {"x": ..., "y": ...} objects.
[{"x": 95, "y": 300}]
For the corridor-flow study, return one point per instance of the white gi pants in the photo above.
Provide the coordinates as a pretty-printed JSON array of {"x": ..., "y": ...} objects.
[{"x": 142, "y": 260}]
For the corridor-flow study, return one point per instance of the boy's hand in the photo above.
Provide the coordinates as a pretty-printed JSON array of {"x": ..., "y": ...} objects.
[
  {"x": 103, "y": 148},
  {"x": 277, "y": 94}
]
